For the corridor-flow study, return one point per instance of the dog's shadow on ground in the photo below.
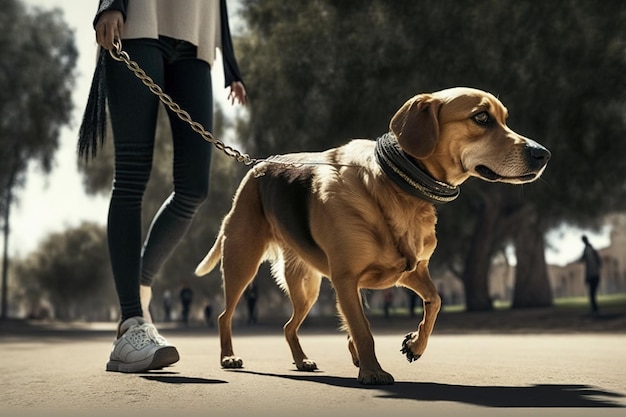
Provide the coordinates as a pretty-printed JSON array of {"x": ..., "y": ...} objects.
[{"x": 537, "y": 396}]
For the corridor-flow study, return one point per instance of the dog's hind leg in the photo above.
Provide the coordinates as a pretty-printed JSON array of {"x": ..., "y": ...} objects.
[
  {"x": 238, "y": 270},
  {"x": 245, "y": 239},
  {"x": 303, "y": 285}
]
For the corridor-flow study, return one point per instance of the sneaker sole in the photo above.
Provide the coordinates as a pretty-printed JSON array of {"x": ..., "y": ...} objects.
[{"x": 163, "y": 357}]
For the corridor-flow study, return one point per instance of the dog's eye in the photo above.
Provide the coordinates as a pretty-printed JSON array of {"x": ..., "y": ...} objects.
[{"x": 482, "y": 118}]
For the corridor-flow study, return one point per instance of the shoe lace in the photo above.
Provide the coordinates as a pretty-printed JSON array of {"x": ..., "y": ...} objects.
[{"x": 151, "y": 333}]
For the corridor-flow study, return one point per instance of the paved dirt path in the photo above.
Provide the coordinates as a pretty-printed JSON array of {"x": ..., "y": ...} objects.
[{"x": 63, "y": 373}]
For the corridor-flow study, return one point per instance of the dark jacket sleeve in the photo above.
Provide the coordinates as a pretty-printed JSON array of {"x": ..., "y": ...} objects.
[
  {"x": 105, "y": 5},
  {"x": 231, "y": 69}
]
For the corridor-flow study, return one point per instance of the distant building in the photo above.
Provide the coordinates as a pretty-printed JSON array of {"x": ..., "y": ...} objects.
[{"x": 568, "y": 280}]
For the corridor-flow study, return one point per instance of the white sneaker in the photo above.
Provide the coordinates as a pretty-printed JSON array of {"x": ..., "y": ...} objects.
[{"x": 140, "y": 348}]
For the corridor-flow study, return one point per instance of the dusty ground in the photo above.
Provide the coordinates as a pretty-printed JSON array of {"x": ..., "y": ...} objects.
[
  {"x": 61, "y": 373},
  {"x": 548, "y": 362}
]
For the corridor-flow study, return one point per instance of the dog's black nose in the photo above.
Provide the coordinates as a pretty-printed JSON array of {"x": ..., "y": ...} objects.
[
  {"x": 537, "y": 155},
  {"x": 540, "y": 153}
]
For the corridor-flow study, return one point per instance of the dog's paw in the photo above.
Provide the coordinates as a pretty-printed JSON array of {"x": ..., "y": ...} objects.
[
  {"x": 378, "y": 377},
  {"x": 406, "y": 349},
  {"x": 232, "y": 362},
  {"x": 353, "y": 353},
  {"x": 307, "y": 365}
]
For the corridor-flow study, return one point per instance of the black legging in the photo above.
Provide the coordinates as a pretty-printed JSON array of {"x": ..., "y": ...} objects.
[
  {"x": 133, "y": 109},
  {"x": 593, "y": 283}
]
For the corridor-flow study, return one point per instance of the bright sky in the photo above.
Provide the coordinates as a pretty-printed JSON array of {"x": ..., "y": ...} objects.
[{"x": 54, "y": 203}]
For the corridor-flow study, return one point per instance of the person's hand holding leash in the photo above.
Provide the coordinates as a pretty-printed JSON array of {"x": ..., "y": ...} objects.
[{"x": 109, "y": 28}]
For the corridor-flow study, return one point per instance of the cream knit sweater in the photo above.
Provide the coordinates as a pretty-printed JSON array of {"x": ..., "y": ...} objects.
[{"x": 195, "y": 21}]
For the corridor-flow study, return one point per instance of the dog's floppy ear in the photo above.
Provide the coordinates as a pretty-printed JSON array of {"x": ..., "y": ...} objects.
[{"x": 416, "y": 125}]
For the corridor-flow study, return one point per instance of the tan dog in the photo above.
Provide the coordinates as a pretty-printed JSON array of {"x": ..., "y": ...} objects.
[{"x": 363, "y": 215}]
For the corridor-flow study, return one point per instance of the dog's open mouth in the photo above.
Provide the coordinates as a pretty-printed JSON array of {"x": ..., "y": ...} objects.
[{"x": 490, "y": 175}]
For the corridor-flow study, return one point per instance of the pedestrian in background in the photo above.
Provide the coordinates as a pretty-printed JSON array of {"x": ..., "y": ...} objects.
[
  {"x": 167, "y": 306},
  {"x": 208, "y": 313},
  {"x": 387, "y": 302},
  {"x": 186, "y": 297},
  {"x": 593, "y": 264},
  {"x": 252, "y": 295}
]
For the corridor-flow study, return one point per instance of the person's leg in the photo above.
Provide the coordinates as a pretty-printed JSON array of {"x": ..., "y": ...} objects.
[
  {"x": 133, "y": 111},
  {"x": 145, "y": 296},
  {"x": 186, "y": 314},
  {"x": 188, "y": 82},
  {"x": 593, "y": 290}
]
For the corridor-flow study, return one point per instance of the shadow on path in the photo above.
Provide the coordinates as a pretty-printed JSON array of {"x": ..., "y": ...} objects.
[
  {"x": 544, "y": 396},
  {"x": 172, "y": 378}
]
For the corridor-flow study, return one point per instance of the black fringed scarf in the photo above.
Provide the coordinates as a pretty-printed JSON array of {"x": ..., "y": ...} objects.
[{"x": 93, "y": 126}]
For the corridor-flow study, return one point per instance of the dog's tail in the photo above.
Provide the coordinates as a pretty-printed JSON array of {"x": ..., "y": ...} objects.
[{"x": 212, "y": 258}]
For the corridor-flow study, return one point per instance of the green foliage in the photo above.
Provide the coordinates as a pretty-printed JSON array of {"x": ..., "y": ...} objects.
[
  {"x": 322, "y": 72},
  {"x": 37, "y": 74},
  {"x": 36, "y": 82},
  {"x": 71, "y": 270}
]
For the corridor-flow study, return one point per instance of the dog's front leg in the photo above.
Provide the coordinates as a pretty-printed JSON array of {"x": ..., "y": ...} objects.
[
  {"x": 414, "y": 343},
  {"x": 361, "y": 339}
]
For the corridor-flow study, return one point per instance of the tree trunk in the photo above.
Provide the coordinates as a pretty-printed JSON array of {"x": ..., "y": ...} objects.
[
  {"x": 532, "y": 284},
  {"x": 476, "y": 272},
  {"x": 5, "y": 255}
]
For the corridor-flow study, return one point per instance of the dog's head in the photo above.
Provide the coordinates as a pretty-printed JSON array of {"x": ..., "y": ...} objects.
[{"x": 462, "y": 132}]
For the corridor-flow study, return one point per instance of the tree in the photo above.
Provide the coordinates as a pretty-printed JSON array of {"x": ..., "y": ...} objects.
[
  {"x": 322, "y": 72},
  {"x": 578, "y": 76},
  {"x": 36, "y": 81},
  {"x": 70, "y": 270}
]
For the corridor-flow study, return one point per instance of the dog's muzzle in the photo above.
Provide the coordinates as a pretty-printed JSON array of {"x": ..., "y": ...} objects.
[{"x": 524, "y": 163}]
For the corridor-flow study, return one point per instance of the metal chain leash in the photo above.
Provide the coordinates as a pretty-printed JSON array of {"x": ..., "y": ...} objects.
[{"x": 120, "y": 55}]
